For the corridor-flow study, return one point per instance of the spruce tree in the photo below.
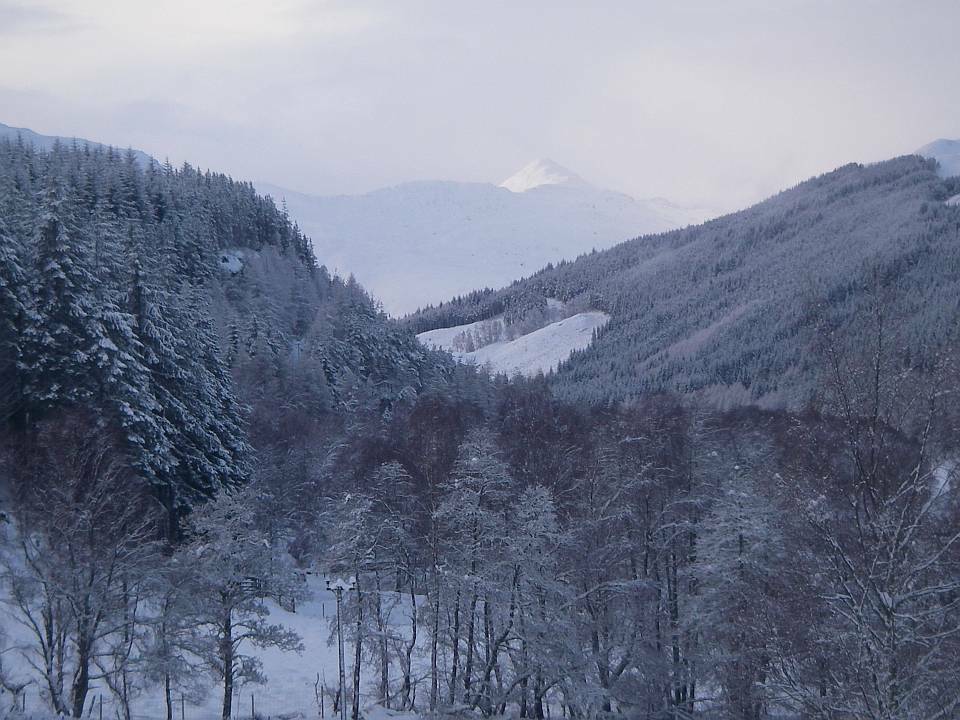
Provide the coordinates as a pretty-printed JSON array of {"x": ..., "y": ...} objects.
[{"x": 12, "y": 313}]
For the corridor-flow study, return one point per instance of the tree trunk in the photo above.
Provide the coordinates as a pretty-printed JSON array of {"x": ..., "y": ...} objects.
[
  {"x": 407, "y": 668},
  {"x": 167, "y": 695},
  {"x": 434, "y": 641},
  {"x": 226, "y": 657},
  {"x": 357, "y": 648},
  {"x": 455, "y": 662},
  {"x": 471, "y": 633},
  {"x": 81, "y": 682},
  {"x": 383, "y": 647},
  {"x": 81, "y": 676}
]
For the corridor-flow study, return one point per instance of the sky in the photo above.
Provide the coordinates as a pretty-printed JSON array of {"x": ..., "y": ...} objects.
[{"x": 716, "y": 104}]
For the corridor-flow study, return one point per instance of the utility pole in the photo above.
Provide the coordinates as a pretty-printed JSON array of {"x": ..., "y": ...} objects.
[{"x": 337, "y": 587}]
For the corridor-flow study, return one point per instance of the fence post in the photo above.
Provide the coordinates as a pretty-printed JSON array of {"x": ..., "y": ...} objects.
[
  {"x": 101, "y": 706},
  {"x": 182, "y": 710},
  {"x": 253, "y": 708}
]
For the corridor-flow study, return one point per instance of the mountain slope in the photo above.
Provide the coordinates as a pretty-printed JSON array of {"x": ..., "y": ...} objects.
[
  {"x": 538, "y": 351},
  {"x": 421, "y": 242},
  {"x": 945, "y": 152},
  {"x": 726, "y": 309}
]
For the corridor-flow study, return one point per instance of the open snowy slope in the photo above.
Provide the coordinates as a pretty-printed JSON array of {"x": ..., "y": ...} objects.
[
  {"x": 537, "y": 352},
  {"x": 421, "y": 243}
]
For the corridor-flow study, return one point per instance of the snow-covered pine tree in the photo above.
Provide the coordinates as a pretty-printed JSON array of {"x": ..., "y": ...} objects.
[
  {"x": 79, "y": 345},
  {"x": 12, "y": 315},
  {"x": 186, "y": 376}
]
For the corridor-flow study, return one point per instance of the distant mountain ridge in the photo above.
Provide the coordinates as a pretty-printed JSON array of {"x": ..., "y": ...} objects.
[
  {"x": 727, "y": 309},
  {"x": 422, "y": 242},
  {"x": 47, "y": 142}
]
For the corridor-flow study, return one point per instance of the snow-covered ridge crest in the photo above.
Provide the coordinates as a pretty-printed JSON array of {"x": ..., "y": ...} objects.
[{"x": 539, "y": 173}]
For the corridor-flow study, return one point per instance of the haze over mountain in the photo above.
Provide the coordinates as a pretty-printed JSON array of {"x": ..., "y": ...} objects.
[
  {"x": 421, "y": 242},
  {"x": 945, "y": 152}
]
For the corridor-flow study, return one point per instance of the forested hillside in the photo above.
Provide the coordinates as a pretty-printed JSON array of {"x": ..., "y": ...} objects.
[
  {"x": 177, "y": 307},
  {"x": 729, "y": 309}
]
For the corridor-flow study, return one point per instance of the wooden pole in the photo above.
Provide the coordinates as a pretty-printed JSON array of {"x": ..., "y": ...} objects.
[{"x": 182, "y": 708}]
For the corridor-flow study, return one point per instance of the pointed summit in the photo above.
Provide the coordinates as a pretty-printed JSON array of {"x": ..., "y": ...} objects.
[{"x": 541, "y": 172}]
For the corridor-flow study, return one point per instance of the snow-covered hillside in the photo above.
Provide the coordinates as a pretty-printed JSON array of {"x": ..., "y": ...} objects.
[
  {"x": 421, "y": 243},
  {"x": 539, "y": 351},
  {"x": 946, "y": 152}
]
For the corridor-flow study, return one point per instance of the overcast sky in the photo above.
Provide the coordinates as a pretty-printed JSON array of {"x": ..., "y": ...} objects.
[{"x": 717, "y": 103}]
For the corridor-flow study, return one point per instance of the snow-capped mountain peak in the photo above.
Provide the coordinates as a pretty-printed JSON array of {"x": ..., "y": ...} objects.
[{"x": 539, "y": 173}]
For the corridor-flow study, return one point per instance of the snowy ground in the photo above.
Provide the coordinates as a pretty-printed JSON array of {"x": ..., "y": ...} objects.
[
  {"x": 539, "y": 351},
  {"x": 290, "y": 688}
]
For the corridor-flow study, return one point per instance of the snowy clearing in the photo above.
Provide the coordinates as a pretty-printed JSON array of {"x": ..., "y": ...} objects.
[
  {"x": 289, "y": 691},
  {"x": 232, "y": 260},
  {"x": 537, "y": 352}
]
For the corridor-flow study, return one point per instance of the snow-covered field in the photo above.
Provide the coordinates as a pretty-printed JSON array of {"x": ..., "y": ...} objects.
[
  {"x": 290, "y": 688},
  {"x": 539, "y": 351}
]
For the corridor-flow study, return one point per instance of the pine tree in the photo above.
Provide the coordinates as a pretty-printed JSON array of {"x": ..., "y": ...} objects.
[
  {"x": 186, "y": 376},
  {"x": 12, "y": 314},
  {"x": 59, "y": 334}
]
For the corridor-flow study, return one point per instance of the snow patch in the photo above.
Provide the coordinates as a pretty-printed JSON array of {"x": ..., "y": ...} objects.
[
  {"x": 540, "y": 173},
  {"x": 537, "y": 352},
  {"x": 232, "y": 260},
  {"x": 943, "y": 475}
]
